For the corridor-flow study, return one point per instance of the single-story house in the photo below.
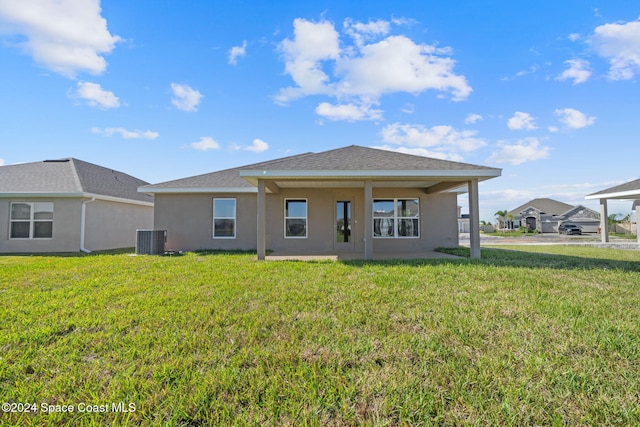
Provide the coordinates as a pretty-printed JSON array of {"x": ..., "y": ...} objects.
[
  {"x": 546, "y": 215},
  {"x": 69, "y": 205},
  {"x": 352, "y": 199},
  {"x": 627, "y": 191},
  {"x": 463, "y": 221}
]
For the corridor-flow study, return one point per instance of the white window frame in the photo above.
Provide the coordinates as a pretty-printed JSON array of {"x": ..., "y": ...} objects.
[
  {"x": 305, "y": 218},
  {"x": 395, "y": 218},
  {"x": 235, "y": 221},
  {"x": 32, "y": 220}
]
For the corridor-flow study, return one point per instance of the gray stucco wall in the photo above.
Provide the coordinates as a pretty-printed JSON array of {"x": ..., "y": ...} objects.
[
  {"x": 113, "y": 225},
  {"x": 66, "y": 228},
  {"x": 188, "y": 219},
  {"x": 109, "y": 225}
]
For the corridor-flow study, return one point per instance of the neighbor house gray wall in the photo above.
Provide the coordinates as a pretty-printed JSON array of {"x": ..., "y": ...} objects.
[
  {"x": 66, "y": 227},
  {"x": 109, "y": 225},
  {"x": 113, "y": 225}
]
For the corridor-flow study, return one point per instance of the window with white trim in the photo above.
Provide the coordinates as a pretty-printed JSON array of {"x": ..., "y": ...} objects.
[
  {"x": 31, "y": 220},
  {"x": 396, "y": 218},
  {"x": 295, "y": 218},
  {"x": 224, "y": 218}
]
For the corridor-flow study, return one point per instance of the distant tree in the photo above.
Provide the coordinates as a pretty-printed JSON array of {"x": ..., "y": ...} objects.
[
  {"x": 501, "y": 216},
  {"x": 612, "y": 220}
]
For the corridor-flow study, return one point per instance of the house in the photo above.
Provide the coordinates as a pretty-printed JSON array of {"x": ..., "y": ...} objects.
[
  {"x": 69, "y": 205},
  {"x": 463, "y": 221},
  {"x": 545, "y": 215},
  {"x": 348, "y": 200},
  {"x": 626, "y": 191}
]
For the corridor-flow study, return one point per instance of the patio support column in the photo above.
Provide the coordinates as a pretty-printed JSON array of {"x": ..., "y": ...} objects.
[
  {"x": 262, "y": 221},
  {"x": 636, "y": 207},
  {"x": 474, "y": 220},
  {"x": 604, "y": 221},
  {"x": 368, "y": 219}
]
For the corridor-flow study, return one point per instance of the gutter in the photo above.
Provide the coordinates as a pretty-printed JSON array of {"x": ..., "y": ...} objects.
[{"x": 83, "y": 214}]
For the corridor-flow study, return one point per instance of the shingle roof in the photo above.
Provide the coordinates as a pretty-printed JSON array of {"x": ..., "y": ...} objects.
[
  {"x": 627, "y": 187},
  {"x": 363, "y": 158},
  {"x": 548, "y": 206},
  {"x": 228, "y": 178},
  {"x": 352, "y": 158},
  {"x": 69, "y": 176}
]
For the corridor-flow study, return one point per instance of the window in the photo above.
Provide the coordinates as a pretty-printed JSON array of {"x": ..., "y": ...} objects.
[
  {"x": 295, "y": 218},
  {"x": 224, "y": 218},
  {"x": 31, "y": 220},
  {"x": 396, "y": 218}
]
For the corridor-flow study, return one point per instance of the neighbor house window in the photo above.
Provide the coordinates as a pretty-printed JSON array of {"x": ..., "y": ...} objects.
[
  {"x": 396, "y": 218},
  {"x": 295, "y": 218},
  {"x": 224, "y": 218},
  {"x": 31, "y": 220}
]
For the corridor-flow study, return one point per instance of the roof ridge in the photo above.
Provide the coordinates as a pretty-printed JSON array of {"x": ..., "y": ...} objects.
[{"x": 76, "y": 176}]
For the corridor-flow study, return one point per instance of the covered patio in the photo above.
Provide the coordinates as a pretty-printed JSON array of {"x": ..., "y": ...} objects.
[
  {"x": 627, "y": 191},
  {"x": 350, "y": 256}
]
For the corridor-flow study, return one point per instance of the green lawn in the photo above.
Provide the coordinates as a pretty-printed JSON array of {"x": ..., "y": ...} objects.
[{"x": 517, "y": 338}]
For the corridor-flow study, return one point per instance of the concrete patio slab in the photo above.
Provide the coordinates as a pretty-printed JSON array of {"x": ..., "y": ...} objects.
[{"x": 350, "y": 256}]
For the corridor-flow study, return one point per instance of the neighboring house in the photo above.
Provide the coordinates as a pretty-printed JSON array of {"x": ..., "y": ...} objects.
[
  {"x": 352, "y": 199},
  {"x": 69, "y": 205},
  {"x": 627, "y": 191},
  {"x": 463, "y": 221},
  {"x": 546, "y": 215}
]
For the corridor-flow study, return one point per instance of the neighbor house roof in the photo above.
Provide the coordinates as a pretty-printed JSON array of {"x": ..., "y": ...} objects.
[
  {"x": 544, "y": 205},
  {"x": 347, "y": 163},
  {"x": 69, "y": 178},
  {"x": 628, "y": 190}
]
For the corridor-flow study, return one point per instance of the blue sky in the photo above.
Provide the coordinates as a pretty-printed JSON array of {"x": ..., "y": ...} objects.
[{"x": 548, "y": 90}]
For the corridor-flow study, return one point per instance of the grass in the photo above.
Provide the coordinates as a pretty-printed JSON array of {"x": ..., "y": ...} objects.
[{"x": 517, "y": 338}]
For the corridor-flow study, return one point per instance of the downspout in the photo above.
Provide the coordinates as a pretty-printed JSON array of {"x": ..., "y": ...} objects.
[{"x": 83, "y": 214}]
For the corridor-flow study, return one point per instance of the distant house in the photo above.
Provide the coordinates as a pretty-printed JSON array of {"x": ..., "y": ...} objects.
[
  {"x": 627, "y": 191},
  {"x": 546, "y": 215},
  {"x": 463, "y": 221},
  {"x": 349, "y": 200},
  {"x": 69, "y": 205}
]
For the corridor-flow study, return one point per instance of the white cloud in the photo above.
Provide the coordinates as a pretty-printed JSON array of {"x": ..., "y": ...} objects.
[
  {"x": 2, "y": 162},
  {"x": 360, "y": 32},
  {"x": 620, "y": 44},
  {"x": 206, "y": 143},
  {"x": 472, "y": 118},
  {"x": 578, "y": 71},
  {"x": 397, "y": 64},
  {"x": 258, "y": 146},
  {"x": 66, "y": 36},
  {"x": 443, "y": 139},
  {"x": 573, "y": 37},
  {"x": 521, "y": 121},
  {"x": 534, "y": 68},
  {"x": 574, "y": 119},
  {"x": 349, "y": 112},
  {"x": 361, "y": 73},
  {"x": 311, "y": 44},
  {"x": 525, "y": 150},
  {"x": 237, "y": 52},
  {"x": 127, "y": 134},
  {"x": 409, "y": 109},
  {"x": 422, "y": 152},
  {"x": 96, "y": 96},
  {"x": 185, "y": 98}
]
